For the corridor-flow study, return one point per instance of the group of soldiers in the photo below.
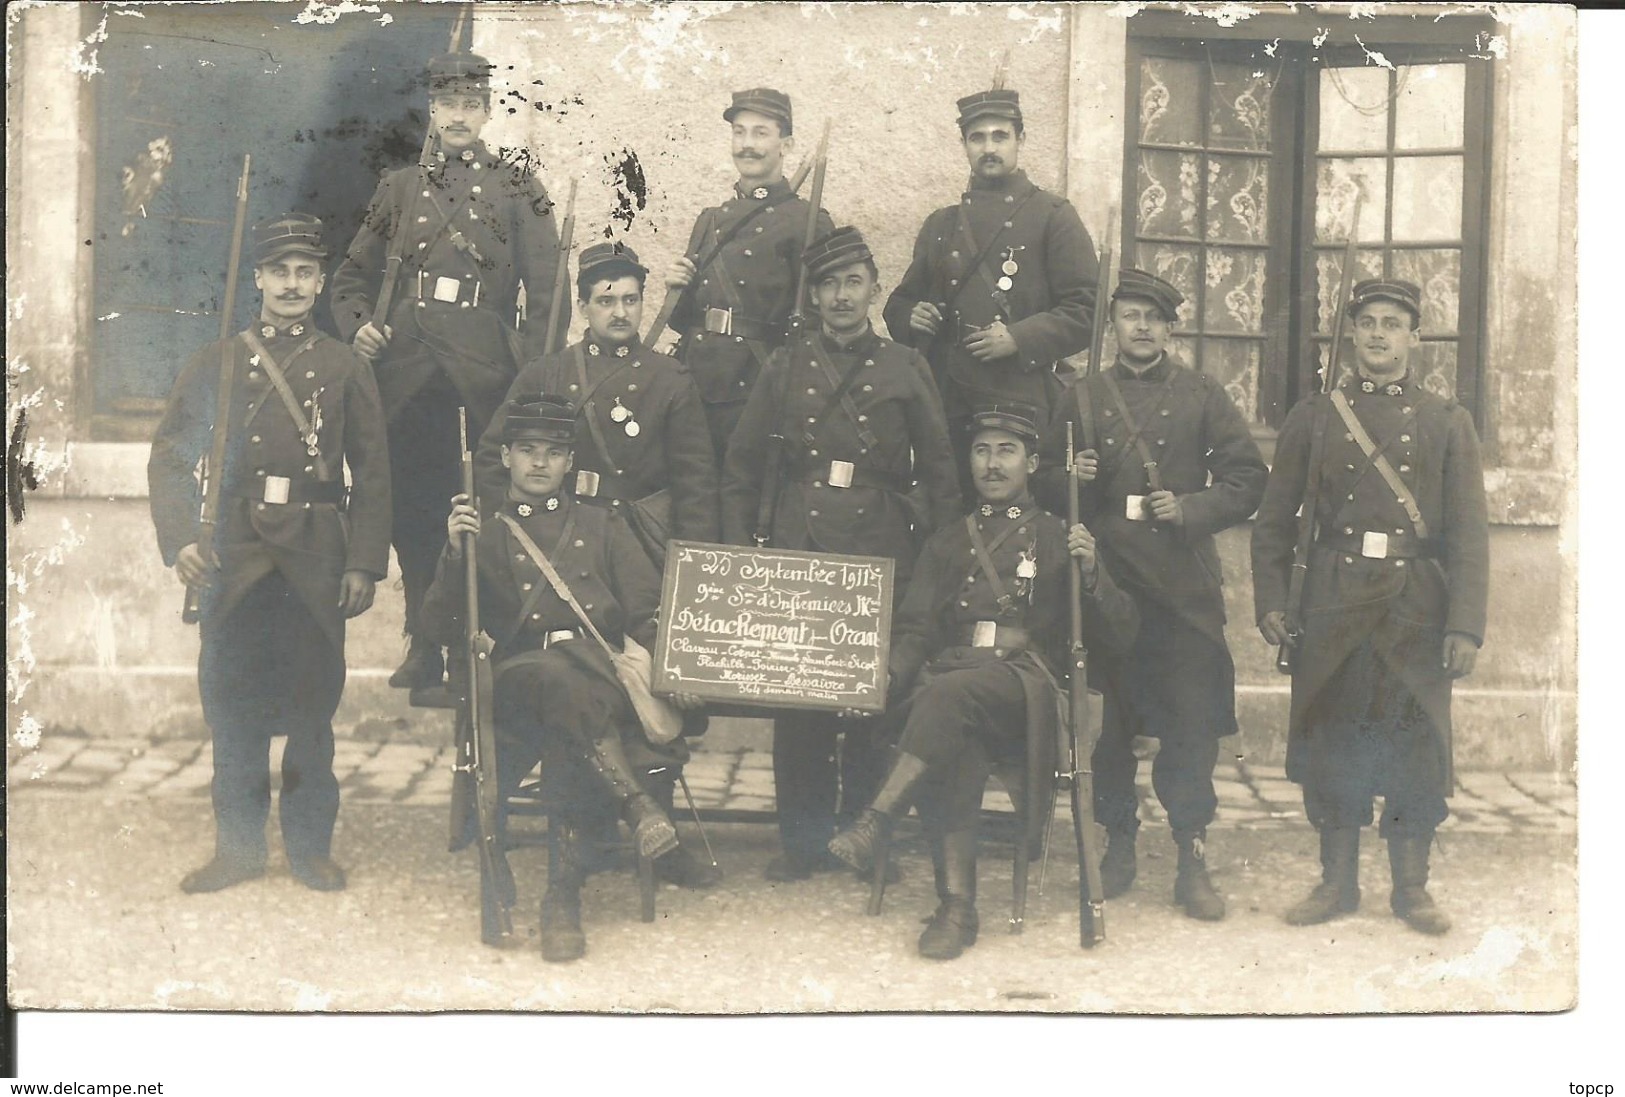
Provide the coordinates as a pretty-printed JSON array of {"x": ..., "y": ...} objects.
[{"x": 941, "y": 448}]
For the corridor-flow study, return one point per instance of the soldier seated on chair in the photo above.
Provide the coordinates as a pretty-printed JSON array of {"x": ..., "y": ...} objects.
[
  {"x": 976, "y": 645},
  {"x": 558, "y": 699}
]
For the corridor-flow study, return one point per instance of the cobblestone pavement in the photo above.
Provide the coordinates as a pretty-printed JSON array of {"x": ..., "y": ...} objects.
[{"x": 395, "y": 772}]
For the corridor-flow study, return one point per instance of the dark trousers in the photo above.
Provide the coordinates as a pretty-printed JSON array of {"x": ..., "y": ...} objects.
[
  {"x": 1181, "y": 775},
  {"x": 722, "y": 419},
  {"x": 549, "y": 709},
  {"x": 809, "y": 781},
  {"x": 268, "y": 669},
  {"x": 425, "y": 472},
  {"x": 960, "y": 724},
  {"x": 1369, "y": 737}
]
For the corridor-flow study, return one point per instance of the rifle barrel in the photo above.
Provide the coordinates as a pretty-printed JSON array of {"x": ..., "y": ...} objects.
[{"x": 561, "y": 275}]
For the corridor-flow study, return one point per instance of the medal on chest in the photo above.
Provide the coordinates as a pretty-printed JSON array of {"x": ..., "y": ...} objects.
[
  {"x": 1009, "y": 268},
  {"x": 624, "y": 415},
  {"x": 1027, "y": 572}
]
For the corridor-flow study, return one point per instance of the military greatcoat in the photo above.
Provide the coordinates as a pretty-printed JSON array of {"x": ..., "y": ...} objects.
[
  {"x": 322, "y": 530},
  {"x": 959, "y": 256},
  {"x": 1401, "y": 604},
  {"x": 640, "y": 427},
  {"x": 754, "y": 274},
  {"x": 478, "y": 221},
  {"x": 891, "y": 435}
]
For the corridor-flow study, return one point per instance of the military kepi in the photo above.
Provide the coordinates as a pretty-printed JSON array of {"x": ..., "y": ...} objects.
[
  {"x": 1003, "y": 103},
  {"x": 609, "y": 260},
  {"x": 774, "y": 104},
  {"x": 834, "y": 250},
  {"x": 540, "y": 417},
  {"x": 290, "y": 234},
  {"x": 1407, "y": 295},
  {"x": 1148, "y": 287},
  {"x": 455, "y": 72},
  {"x": 1019, "y": 419}
]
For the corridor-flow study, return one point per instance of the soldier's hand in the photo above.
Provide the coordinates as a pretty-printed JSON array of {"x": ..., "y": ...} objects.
[
  {"x": 355, "y": 593},
  {"x": 193, "y": 568},
  {"x": 991, "y": 343},
  {"x": 1081, "y": 544},
  {"x": 1460, "y": 653},
  {"x": 1165, "y": 507},
  {"x": 686, "y": 701},
  {"x": 1087, "y": 462},
  {"x": 925, "y": 318},
  {"x": 369, "y": 342},
  {"x": 463, "y": 520},
  {"x": 681, "y": 272},
  {"x": 852, "y": 714},
  {"x": 1273, "y": 629}
]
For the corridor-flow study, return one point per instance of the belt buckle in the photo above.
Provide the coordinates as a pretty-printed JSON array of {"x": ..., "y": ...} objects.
[
  {"x": 1374, "y": 545},
  {"x": 986, "y": 632},
  {"x": 447, "y": 289},
  {"x": 587, "y": 483},
  {"x": 720, "y": 321},
  {"x": 276, "y": 489},
  {"x": 1134, "y": 508},
  {"x": 840, "y": 474}
]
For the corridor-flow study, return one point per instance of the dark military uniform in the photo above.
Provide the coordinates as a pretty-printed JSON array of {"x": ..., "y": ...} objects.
[
  {"x": 472, "y": 228},
  {"x": 976, "y": 646},
  {"x": 1178, "y": 682},
  {"x": 1008, "y": 251},
  {"x": 848, "y": 467},
  {"x": 272, "y": 659},
  {"x": 749, "y": 254},
  {"x": 1370, "y": 696}
]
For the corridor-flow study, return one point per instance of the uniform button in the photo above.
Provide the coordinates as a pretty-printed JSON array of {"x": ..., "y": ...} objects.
[
  {"x": 422, "y": 244},
  {"x": 580, "y": 543},
  {"x": 812, "y": 513},
  {"x": 705, "y": 281},
  {"x": 953, "y": 281},
  {"x": 1404, "y": 438},
  {"x": 1348, "y": 437},
  {"x": 614, "y": 502},
  {"x": 1400, "y": 532},
  {"x": 586, "y": 605},
  {"x": 863, "y": 418},
  {"x": 475, "y": 188},
  {"x": 1111, "y": 441},
  {"x": 307, "y": 506},
  {"x": 954, "y": 254},
  {"x": 812, "y": 392},
  {"x": 525, "y": 586},
  {"x": 620, "y": 472},
  {"x": 1404, "y": 411},
  {"x": 812, "y": 418},
  {"x": 259, "y": 472},
  {"x": 739, "y": 338},
  {"x": 573, "y": 388},
  {"x": 462, "y": 304},
  {"x": 253, "y": 375},
  {"x": 1399, "y": 563},
  {"x": 1009, "y": 224},
  {"x": 818, "y": 483},
  {"x": 586, "y": 575},
  {"x": 472, "y": 216},
  {"x": 998, "y": 653},
  {"x": 1162, "y": 441},
  {"x": 255, "y": 439},
  {"x": 1402, "y": 468},
  {"x": 860, "y": 510},
  {"x": 1351, "y": 497},
  {"x": 1350, "y": 467},
  {"x": 758, "y": 228},
  {"x": 868, "y": 388},
  {"x": 747, "y": 252},
  {"x": 423, "y": 219},
  {"x": 259, "y": 506},
  {"x": 1009, "y": 198},
  {"x": 964, "y": 605},
  {"x": 971, "y": 579},
  {"x": 423, "y": 304},
  {"x": 812, "y": 453},
  {"x": 1348, "y": 531},
  {"x": 310, "y": 375},
  {"x": 631, "y": 388},
  {"x": 740, "y": 384},
  {"x": 310, "y": 468},
  {"x": 536, "y": 617},
  {"x": 1165, "y": 412},
  {"x": 518, "y": 556},
  {"x": 1348, "y": 559}
]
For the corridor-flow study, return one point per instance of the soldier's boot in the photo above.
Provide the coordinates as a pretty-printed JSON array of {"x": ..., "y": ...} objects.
[
  {"x": 856, "y": 845},
  {"x": 424, "y": 666},
  {"x": 225, "y": 869},
  {"x": 1192, "y": 888},
  {"x": 1117, "y": 866},
  {"x": 954, "y": 926},
  {"x": 1408, "y": 858},
  {"x": 681, "y": 866},
  {"x": 562, "y": 937},
  {"x": 652, "y": 829},
  {"x": 1339, "y": 889}
]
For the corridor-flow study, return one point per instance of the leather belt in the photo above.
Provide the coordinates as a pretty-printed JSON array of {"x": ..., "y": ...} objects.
[
  {"x": 286, "y": 491},
  {"x": 1375, "y": 545},
  {"x": 991, "y": 634},
  {"x": 560, "y": 635},
  {"x": 446, "y": 289},
  {"x": 729, "y": 322},
  {"x": 844, "y": 474}
]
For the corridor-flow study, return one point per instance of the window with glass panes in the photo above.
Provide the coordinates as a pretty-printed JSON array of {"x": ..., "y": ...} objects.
[{"x": 1244, "y": 156}]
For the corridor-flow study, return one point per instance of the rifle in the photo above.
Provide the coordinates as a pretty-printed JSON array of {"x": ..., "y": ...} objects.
[
  {"x": 395, "y": 257},
  {"x": 1103, "y": 294},
  {"x": 1317, "y": 451},
  {"x": 477, "y": 740},
  {"x": 561, "y": 275},
  {"x": 674, "y": 297},
  {"x": 1077, "y": 746},
  {"x": 1002, "y": 71},
  {"x": 214, "y": 472},
  {"x": 767, "y": 500}
]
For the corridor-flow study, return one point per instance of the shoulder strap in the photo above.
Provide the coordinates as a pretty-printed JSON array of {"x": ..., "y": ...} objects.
[
  {"x": 726, "y": 238},
  {"x": 279, "y": 381},
  {"x": 984, "y": 554},
  {"x": 555, "y": 580},
  {"x": 979, "y": 264},
  {"x": 588, "y": 408},
  {"x": 842, "y": 394},
  {"x": 1136, "y": 430},
  {"x": 1379, "y": 461}
]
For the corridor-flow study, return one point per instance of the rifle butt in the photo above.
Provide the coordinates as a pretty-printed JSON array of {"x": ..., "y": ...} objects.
[{"x": 1091, "y": 903}]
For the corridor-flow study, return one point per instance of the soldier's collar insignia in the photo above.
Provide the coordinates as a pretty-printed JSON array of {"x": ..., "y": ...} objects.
[
  {"x": 467, "y": 156},
  {"x": 759, "y": 193},
  {"x": 1395, "y": 390},
  {"x": 622, "y": 351},
  {"x": 1013, "y": 512},
  {"x": 297, "y": 329},
  {"x": 553, "y": 503},
  {"x": 987, "y": 510},
  {"x": 525, "y": 510},
  {"x": 268, "y": 332},
  {"x": 592, "y": 349},
  {"x": 1368, "y": 386}
]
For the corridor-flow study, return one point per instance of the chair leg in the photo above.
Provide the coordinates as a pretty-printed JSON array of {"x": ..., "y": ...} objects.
[
  {"x": 877, "y": 881},
  {"x": 1018, "y": 900},
  {"x": 646, "y": 885}
]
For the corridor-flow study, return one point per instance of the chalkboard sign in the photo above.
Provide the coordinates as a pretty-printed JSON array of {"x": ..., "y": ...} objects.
[{"x": 774, "y": 628}]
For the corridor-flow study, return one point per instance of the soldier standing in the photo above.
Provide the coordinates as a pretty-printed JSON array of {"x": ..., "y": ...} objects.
[
  {"x": 557, "y": 697},
  {"x": 294, "y": 557},
  {"x": 1170, "y": 462},
  {"x": 861, "y": 423},
  {"x": 741, "y": 265},
  {"x": 1001, "y": 285},
  {"x": 469, "y": 229},
  {"x": 643, "y": 450},
  {"x": 976, "y": 647},
  {"x": 1394, "y": 602}
]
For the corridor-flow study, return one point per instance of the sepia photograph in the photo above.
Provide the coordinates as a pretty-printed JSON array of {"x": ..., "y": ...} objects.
[{"x": 792, "y": 508}]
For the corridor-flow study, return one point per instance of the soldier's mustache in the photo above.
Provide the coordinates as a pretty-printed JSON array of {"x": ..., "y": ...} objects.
[{"x": 747, "y": 154}]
